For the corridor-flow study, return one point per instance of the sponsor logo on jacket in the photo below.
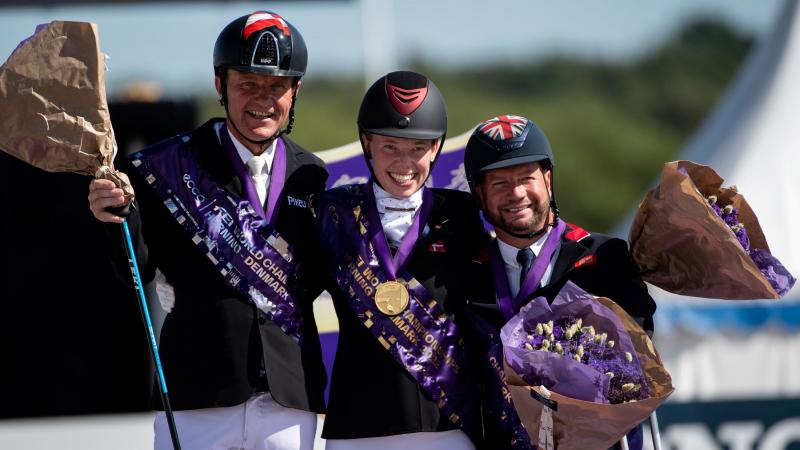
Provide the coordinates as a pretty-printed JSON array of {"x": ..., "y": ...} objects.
[{"x": 300, "y": 203}]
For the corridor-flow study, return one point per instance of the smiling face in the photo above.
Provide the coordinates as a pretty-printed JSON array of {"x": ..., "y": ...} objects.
[
  {"x": 516, "y": 199},
  {"x": 401, "y": 165},
  {"x": 258, "y": 105}
]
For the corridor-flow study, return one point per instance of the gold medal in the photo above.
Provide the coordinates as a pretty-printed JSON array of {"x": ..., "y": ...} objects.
[{"x": 391, "y": 298}]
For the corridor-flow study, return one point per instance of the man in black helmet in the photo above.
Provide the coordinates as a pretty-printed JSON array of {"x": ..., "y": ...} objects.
[
  {"x": 221, "y": 212},
  {"x": 509, "y": 166}
]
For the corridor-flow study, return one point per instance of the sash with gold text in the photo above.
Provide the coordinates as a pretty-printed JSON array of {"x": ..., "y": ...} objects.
[
  {"x": 421, "y": 338},
  {"x": 497, "y": 398},
  {"x": 248, "y": 252}
]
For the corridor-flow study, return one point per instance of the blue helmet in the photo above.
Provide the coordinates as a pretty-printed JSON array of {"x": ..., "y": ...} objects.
[{"x": 505, "y": 141}]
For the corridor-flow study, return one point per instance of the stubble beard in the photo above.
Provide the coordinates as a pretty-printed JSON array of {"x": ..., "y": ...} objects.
[{"x": 537, "y": 221}]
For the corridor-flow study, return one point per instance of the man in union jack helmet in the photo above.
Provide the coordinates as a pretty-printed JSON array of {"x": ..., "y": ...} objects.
[
  {"x": 509, "y": 165},
  {"x": 222, "y": 212}
]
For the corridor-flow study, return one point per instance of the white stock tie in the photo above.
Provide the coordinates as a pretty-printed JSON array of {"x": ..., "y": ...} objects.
[
  {"x": 397, "y": 215},
  {"x": 255, "y": 166}
]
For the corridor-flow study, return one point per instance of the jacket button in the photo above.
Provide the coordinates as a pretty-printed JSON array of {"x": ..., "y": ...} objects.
[{"x": 262, "y": 318}]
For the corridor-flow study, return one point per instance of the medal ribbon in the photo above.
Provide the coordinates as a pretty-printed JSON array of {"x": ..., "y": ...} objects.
[
  {"x": 509, "y": 306},
  {"x": 397, "y": 263},
  {"x": 277, "y": 177},
  {"x": 422, "y": 339},
  {"x": 249, "y": 253}
]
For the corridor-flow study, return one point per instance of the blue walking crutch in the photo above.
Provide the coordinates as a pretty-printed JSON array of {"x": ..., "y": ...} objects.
[{"x": 137, "y": 282}]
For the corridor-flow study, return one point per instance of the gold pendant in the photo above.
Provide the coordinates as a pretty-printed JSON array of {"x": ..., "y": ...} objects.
[{"x": 391, "y": 298}]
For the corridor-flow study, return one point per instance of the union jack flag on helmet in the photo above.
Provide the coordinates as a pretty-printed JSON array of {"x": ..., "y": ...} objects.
[{"x": 501, "y": 128}]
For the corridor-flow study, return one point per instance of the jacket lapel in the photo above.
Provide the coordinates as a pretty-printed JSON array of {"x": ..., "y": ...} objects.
[
  {"x": 292, "y": 163},
  {"x": 569, "y": 252},
  {"x": 213, "y": 159},
  {"x": 438, "y": 220}
]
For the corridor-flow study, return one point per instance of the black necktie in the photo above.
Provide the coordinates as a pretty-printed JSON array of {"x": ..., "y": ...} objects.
[{"x": 525, "y": 260}]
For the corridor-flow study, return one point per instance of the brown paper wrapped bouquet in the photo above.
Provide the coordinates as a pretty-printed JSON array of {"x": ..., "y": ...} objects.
[
  {"x": 53, "y": 103},
  {"x": 691, "y": 236},
  {"x": 567, "y": 399}
]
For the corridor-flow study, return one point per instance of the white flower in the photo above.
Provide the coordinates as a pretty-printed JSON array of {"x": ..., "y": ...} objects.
[{"x": 545, "y": 345}]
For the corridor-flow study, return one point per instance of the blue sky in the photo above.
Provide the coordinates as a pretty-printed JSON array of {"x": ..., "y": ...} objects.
[{"x": 172, "y": 44}]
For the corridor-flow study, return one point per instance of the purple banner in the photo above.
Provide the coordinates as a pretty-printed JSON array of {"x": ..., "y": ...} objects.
[{"x": 252, "y": 257}]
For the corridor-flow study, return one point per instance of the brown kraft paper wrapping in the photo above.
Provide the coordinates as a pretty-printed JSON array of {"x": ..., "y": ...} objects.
[
  {"x": 581, "y": 425},
  {"x": 683, "y": 247},
  {"x": 53, "y": 102}
]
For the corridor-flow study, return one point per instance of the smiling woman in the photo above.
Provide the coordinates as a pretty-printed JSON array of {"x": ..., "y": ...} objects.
[
  {"x": 396, "y": 251},
  {"x": 400, "y": 166}
]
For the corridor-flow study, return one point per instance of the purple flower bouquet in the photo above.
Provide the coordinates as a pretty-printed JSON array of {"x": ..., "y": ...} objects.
[
  {"x": 593, "y": 362},
  {"x": 692, "y": 237}
]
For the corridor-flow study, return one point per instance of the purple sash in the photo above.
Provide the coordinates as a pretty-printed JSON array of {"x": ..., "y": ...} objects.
[
  {"x": 509, "y": 306},
  {"x": 500, "y": 406},
  {"x": 276, "y": 179},
  {"x": 393, "y": 265},
  {"x": 249, "y": 253},
  {"x": 422, "y": 339}
]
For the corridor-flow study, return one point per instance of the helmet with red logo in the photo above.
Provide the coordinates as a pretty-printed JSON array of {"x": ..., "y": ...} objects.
[
  {"x": 403, "y": 104},
  {"x": 261, "y": 42},
  {"x": 505, "y": 141}
]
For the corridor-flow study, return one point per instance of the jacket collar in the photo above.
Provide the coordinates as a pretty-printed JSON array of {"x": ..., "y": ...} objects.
[
  {"x": 439, "y": 216},
  {"x": 213, "y": 159},
  {"x": 572, "y": 249}
]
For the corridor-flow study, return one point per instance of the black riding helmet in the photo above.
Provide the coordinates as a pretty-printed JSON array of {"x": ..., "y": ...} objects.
[
  {"x": 262, "y": 43},
  {"x": 403, "y": 104},
  {"x": 506, "y": 141}
]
